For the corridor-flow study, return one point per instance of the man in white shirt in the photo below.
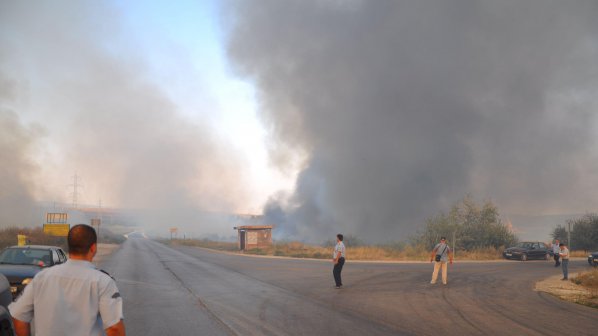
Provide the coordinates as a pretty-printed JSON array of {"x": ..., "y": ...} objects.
[
  {"x": 338, "y": 260},
  {"x": 564, "y": 254},
  {"x": 556, "y": 249},
  {"x": 73, "y": 298}
]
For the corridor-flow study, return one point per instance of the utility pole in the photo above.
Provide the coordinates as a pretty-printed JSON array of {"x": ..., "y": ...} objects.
[
  {"x": 75, "y": 193},
  {"x": 569, "y": 237},
  {"x": 454, "y": 243},
  {"x": 100, "y": 218}
]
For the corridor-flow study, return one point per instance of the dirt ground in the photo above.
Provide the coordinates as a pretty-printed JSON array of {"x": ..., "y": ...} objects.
[{"x": 568, "y": 291}]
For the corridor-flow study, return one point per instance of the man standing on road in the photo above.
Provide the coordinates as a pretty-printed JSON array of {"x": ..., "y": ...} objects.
[
  {"x": 564, "y": 253},
  {"x": 556, "y": 249},
  {"x": 73, "y": 298},
  {"x": 440, "y": 254},
  {"x": 338, "y": 260}
]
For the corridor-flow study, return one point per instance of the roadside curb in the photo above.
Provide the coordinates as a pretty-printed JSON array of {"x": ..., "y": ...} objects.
[{"x": 358, "y": 261}]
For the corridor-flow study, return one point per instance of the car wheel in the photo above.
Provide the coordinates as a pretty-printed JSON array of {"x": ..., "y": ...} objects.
[{"x": 524, "y": 257}]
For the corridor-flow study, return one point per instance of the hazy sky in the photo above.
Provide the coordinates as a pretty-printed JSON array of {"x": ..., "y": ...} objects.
[
  {"x": 137, "y": 99},
  {"x": 363, "y": 117}
]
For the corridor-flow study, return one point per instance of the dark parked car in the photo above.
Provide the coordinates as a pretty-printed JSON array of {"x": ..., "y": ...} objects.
[
  {"x": 6, "y": 326},
  {"x": 528, "y": 250},
  {"x": 21, "y": 263},
  {"x": 593, "y": 259}
]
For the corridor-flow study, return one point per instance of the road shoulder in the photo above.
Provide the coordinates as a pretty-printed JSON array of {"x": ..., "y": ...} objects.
[
  {"x": 104, "y": 251},
  {"x": 568, "y": 290}
]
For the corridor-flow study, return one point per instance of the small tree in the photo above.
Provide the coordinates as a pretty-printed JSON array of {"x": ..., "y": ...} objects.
[
  {"x": 584, "y": 234},
  {"x": 560, "y": 233},
  {"x": 474, "y": 226}
]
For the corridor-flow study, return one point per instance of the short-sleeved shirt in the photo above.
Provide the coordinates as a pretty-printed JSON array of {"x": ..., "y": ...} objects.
[
  {"x": 70, "y": 299},
  {"x": 556, "y": 249},
  {"x": 340, "y": 247},
  {"x": 442, "y": 249},
  {"x": 564, "y": 253}
]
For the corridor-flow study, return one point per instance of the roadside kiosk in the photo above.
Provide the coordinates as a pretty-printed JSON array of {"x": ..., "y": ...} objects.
[{"x": 254, "y": 236}]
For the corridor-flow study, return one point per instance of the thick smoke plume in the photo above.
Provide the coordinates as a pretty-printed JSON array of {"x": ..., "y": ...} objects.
[
  {"x": 17, "y": 199},
  {"x": 89, "y": 87},
  {"x": 404, "y": 107}
]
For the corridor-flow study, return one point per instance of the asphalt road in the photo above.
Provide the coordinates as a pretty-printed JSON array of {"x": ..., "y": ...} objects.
[{"x": 191, "y": 291}]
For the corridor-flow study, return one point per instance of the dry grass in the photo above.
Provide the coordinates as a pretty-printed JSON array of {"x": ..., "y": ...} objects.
[
  {"x": 589, "y": 280},
  {"x": 569, "y": 290},
  {"x": 572, "y": 290},
  {"x": 579, "y": 253},
  {"x": 221, "y": 246},
  {"x": 383, "y": 253},
  {"x": 489, "y": 253}
]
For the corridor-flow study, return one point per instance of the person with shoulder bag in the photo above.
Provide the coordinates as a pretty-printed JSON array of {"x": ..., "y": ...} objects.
[{"x": 441, "y": 254}]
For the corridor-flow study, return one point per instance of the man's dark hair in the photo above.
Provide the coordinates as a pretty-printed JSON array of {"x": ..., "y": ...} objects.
[
  {"x": 561, "y": 244},
  {"x": 80, "y": 238},
  {"x": 339, "y": 236}
]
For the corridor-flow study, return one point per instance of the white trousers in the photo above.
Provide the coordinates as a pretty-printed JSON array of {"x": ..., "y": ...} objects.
[{"x": 437, "y": 266}]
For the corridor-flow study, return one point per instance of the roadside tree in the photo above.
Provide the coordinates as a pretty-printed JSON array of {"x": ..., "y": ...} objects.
[
  {"x": 584, "y": 232},
  {"x": 474, "y": 227}
]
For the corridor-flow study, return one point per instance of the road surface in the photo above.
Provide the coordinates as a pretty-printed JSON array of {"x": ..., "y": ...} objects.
[{"x": 191, "y": 291}]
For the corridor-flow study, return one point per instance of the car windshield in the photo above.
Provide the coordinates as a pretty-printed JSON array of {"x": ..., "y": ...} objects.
[
  {"x": 525, "y": 245},
  {"x": 26, "y": 256}
]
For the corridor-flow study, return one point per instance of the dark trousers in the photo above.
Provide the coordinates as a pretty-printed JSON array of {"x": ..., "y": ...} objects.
[
  {"x": 565, "y": 268},
  {"x": 556, "y": 260},
  {"x": 337, "y": 271}
]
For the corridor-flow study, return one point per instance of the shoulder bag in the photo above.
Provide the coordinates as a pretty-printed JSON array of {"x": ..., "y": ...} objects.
[{"x": 439, "y": 256}]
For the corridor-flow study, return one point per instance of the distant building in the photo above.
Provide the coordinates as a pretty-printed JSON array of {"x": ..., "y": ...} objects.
[{"x": 254, "y": 236}]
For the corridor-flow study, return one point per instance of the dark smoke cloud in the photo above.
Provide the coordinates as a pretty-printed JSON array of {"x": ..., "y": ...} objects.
[
  {"x": 404, "y": 107},
  {"x": 90, "y": 86}
]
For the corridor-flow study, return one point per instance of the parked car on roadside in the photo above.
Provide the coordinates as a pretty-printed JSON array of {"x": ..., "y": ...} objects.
[
  {"x": 528, "y": 250},
  {"x": 21, "y": 263},
  {"x": 593, "y": 259}
]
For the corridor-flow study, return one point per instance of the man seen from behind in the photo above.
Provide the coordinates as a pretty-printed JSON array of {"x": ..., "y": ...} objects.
[{"x": 73, "y": 298}]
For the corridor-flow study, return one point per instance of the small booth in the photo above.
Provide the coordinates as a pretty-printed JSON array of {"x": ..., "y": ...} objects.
[{"x": 254, "y": 236}]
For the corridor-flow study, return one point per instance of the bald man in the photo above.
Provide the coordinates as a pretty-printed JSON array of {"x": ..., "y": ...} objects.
[{"x": 73, "y": 298}]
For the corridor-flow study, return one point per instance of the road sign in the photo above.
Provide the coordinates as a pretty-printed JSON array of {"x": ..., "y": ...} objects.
[
  {"x": 56, "y": 217},
  {"x": 60, "y": 230},
  {"x": 21, "y": 240}
]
